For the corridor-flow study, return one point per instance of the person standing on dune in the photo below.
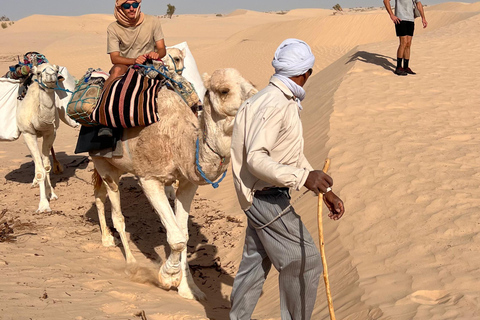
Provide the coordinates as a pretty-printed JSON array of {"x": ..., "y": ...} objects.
[
  {"x": 268, "y": 160},
  {"x": 404, "y": 20}
]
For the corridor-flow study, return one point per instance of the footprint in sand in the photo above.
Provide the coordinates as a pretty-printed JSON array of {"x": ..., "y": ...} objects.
[{"x": 433, "y": 297}]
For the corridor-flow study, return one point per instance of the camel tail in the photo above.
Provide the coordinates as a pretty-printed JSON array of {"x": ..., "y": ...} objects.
[{"x": 96, "y": 180}]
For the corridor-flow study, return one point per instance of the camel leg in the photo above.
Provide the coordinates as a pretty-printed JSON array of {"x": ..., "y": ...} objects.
[
  {"x": 185, "y": 193},
  {"x": 31, "y": 142},
  {"x": 57, "y": 166},
  {"x": 170, "y": 273},
  {"x": 111, "y": 177},
  {"x": 100, "y": 198},
  {"x": 46, "y": 147}
]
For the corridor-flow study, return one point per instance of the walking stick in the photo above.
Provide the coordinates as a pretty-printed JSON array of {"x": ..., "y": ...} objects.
[{"x": 322, "y": 247}]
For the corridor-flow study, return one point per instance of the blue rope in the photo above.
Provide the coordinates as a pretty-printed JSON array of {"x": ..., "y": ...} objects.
[
  {"x": 56, "y": 83},
  {"x": 163, "y": 74},
  {"x": 175, "y": 66},
  {"x": 197, "y": 162}
]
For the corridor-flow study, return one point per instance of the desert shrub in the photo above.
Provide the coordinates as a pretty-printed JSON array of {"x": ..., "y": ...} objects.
[
  {"x": 170, "y": 10},
  {"x": 4, "y": 25},
  {"x": 337, "y": 7}
]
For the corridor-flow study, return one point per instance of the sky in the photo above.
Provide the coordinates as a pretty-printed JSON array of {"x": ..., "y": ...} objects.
[{"x": 18, "y": 9}]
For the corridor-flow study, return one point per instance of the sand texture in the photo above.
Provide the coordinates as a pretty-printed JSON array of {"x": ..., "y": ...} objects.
[{"x": 405, "y": 160}]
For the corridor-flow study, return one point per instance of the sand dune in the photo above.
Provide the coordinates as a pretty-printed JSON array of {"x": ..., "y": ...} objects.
[{"x": 404, "y": 159}]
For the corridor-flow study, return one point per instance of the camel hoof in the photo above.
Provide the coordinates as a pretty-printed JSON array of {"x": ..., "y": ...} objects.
[
  {"x": 42, "y": 209},
  {"x": 57, "y": 168},
  {"x": 34, "y": 184},
  {"x": 53, "y": 196},
  {"x": 195, "y": 294},
  {"x": 169, "y": 279}
]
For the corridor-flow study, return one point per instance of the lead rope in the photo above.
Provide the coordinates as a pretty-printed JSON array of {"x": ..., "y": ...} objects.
[{"x": 284, "y": 212}]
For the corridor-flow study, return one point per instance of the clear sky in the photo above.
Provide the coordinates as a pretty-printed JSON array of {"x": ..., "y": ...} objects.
[{"x": 18, "y": 9}]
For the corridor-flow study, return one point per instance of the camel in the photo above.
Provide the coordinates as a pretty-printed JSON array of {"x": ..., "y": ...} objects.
[
  {"x": 174, "y": 60},
  {"x": 167, "y": 151},
  {"x": 37, "y": 117}
]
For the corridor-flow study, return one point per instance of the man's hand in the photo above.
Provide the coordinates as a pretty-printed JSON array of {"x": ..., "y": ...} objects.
[
  {"x": 318, "y": 181},
  {"x": 153, "y": 56},
  {"x": 141, "y": 59},
  {"x": 334, "y": 204},
  {"x": 395, "y": 19},
  {"x": 424, "y": 22}
]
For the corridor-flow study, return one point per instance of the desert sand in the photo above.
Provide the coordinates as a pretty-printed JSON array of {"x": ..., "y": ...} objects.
[{"x": 404, "y": 154}]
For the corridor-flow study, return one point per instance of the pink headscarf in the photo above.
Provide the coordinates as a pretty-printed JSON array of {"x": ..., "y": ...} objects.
[{"x": 122, "y": 17}]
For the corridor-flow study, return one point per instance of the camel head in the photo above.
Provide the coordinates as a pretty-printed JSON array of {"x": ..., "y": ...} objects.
[
  {"x": 226, "y": 91},
  {"x": 46, "y": 75},
  {"x": 174, "y": 60}
]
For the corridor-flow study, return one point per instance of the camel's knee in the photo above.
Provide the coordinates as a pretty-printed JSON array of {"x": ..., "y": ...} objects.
[
  {"x": 40, "y": 176},
  {"x": 178, "y": 246},
  {"x": 48, "y": 168}
]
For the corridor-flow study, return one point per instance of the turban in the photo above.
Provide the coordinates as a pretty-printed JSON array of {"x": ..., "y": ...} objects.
[
  {"x": 293, "y": 58},
  {"x": 122, "y": 17}
]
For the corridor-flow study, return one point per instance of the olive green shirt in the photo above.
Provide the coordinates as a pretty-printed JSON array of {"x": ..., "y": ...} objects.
[{"x": 133, "y": 42}]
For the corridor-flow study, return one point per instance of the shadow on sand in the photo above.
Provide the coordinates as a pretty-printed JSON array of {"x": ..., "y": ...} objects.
[
  {"x": 147, "y": 233},
  {"x": 373, "y": 58},
  {"x": 70, "y": 163}
]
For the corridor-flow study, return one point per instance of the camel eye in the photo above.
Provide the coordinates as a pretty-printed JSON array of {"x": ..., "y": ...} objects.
[
  {"x": 224, "y": 91},
  {"x": 177, "y": 60}
]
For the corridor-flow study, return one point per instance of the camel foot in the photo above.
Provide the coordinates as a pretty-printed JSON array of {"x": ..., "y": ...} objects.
[
  {"x": 44, "y": 207},
  {"x": 57, "y": 167},
  {"x": 169, "y": 278},
  {"x": 108, "y": 241},
  {"x": 53, "y": 196},
  {"x": 34, "y": 183},
  {"x": 191, "y": 293}
]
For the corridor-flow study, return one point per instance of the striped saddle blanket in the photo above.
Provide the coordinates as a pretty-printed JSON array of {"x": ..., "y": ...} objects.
[{"x": 129, "y": 101}]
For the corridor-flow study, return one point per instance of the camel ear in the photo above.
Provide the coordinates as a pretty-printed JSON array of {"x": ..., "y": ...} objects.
[
  {"x": 248, "y": 89},
  {"x": 184, "y": 53},
  {"x": 206, "y": 80},
  {"x": 59, "y": 75}
]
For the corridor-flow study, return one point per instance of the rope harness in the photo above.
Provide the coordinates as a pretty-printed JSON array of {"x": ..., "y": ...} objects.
[
  {"x": 199, "y": 168},
  {"x": 175, "y": 65},
  {"x": 281, "y": 214}
]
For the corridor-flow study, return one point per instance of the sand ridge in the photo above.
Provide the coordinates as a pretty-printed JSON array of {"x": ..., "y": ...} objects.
[{"x": 404, "y": 160}]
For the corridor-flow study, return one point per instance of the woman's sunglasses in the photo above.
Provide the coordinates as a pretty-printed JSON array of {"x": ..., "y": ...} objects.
[{"x": 127, "y": 6}]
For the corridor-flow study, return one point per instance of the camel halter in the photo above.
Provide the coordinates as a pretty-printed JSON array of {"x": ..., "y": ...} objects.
[
  {"x": 175, "y": 66},
  {"x": 199, "y": 168},
  {"x": 57, "y": 86}
]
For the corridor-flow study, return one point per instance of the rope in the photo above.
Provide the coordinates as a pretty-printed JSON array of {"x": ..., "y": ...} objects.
[
  {"x": 56, "y": 83},
  {"x": 197, "y": 162},
  {"x": 281, "y": 214},
  {"x": 152, "y": 68},
  {"x": 175, "y": 66}
]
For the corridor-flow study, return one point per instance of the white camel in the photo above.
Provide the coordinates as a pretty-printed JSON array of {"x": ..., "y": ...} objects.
[
  {"x": 37, "y": 117},
  {"x": 174, "y": 59},
  {"x": 167, "y": 151}
]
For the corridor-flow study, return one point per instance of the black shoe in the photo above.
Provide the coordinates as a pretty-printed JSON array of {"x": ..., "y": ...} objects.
[
  {"x": 400, "y": 72},
  {"x": 409, "y": 71},
  {"x": 105, "y": 132}
]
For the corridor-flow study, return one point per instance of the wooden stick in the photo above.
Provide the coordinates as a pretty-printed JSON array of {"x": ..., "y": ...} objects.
[{"x": 322, "y": 247}]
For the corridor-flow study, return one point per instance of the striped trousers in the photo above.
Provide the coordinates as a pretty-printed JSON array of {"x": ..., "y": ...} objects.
[{"x": 287, "y": 245}]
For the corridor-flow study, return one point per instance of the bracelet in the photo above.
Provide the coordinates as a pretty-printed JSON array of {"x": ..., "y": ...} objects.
[{"x": 328, "y": 190}]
